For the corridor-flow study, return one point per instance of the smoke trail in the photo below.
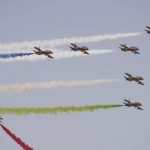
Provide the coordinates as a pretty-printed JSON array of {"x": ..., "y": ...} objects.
[
  {"x": 54, "y": 110},
  {"x": 71, "y": 54},
  {"x": 16, "y": 139},
  {"x": 17, "y": 46},
  {"x": 11, "y": 55},
  {"x": 18, "y": 88},
  {"x": 59, "y": 55}
]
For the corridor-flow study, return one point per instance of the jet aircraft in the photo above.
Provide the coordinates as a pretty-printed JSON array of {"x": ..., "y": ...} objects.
[
  {"x": 47, "y": 53},
  {"x": 83, "y": 49},
  {"x": 125, "y": 48},
  {"x": 137, "y": 79},
  {"x": 148, "y": 29},
  {"x": 128, "y": 103}
]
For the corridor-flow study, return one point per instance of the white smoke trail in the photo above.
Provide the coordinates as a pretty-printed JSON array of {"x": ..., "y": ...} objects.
[
  {"x": 46, "y": 44},
  {"x": 18, "y": 88},
  {"x": 60, "y": 55}
]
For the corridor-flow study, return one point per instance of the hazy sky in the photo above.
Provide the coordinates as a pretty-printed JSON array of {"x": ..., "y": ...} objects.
[{"x": 114, "y": 129}]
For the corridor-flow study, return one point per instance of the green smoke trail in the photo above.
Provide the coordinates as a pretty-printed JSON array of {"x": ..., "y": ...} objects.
[{"x": 53, "y": 110}]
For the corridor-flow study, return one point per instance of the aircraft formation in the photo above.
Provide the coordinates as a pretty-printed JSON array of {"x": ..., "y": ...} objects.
[
  {"x": 85, "y": 50},
  {"x": 129, "y": 77},
  {"x": 123, "y": 47},
  {"x": 49, "y": 53}
]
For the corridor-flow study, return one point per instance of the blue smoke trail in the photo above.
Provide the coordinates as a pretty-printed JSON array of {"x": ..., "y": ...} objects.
[{"x": 12, "y": 55}]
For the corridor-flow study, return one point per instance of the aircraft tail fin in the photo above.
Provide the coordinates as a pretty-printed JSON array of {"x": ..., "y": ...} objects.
[
  {"x": 49, "y": 56},
  {"x": 126, "y": 78},
  {"x": 71, "y": 47},
  {"x": 35, "y": 51},
  {"x": 85, "y": 52}
]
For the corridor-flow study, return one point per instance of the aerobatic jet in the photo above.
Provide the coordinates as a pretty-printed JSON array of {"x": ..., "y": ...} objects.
[
  {"x": 148, "y": 29},
  {"x": 47, "y": 53},
  {"x": 125, "y": 48},
  {"x": 134, "y": 78},
  {"x": 83, "y": 49},
  {"x": 1, "y": 119},
  {"x": 128, "y": 103}
]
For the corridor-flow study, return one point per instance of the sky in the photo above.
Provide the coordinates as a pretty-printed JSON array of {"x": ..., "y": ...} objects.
[{"x": 114, "y": 129}]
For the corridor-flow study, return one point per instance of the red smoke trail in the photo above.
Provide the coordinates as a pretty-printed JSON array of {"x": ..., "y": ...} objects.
[{"x": 16, "y": 139}]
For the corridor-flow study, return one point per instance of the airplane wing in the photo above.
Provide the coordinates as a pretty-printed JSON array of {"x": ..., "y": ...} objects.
[
  {"x": 139, "y": 82},
  {"x": 49, "y": 56},
  {"x": 139, "y": 108},
  {"x": 135, "y": 52}
]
